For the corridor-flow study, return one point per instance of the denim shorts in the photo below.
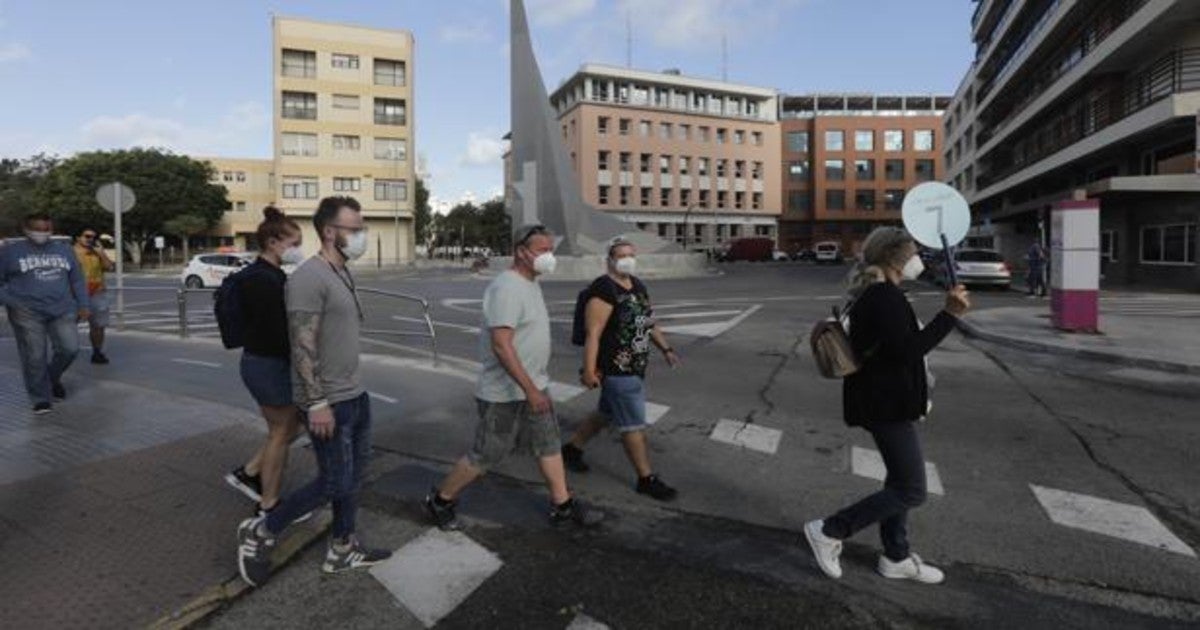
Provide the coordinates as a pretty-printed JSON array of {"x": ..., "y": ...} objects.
[
  {"x": 623, "y": 402},
  {"x": 509, "y": 427},
  {"x": 269, "y": 379},
  {"x": 98, "y": 307}
]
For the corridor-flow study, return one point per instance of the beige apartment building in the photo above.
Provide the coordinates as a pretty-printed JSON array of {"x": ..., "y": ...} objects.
[
  {"x": 692, "y": 160},
  {"x": 342, "y": 125}
]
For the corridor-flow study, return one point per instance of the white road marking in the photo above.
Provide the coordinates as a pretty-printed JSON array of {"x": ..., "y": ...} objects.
[
  {"x": 433, "y": 574},
  {"x": 655, "y": 412},
  {"x": 1101, "y": 516},
  {"x": 474, "y": 330},
  {"x": 584, "y": 622},
  {"x": 459, "y": 304},
  {"x": 380, "y": 397},
  {"x": 745, "y": 435},
  {"x": 712, "y": 330},
  {"x": 868, "y": 463},
  {"x": 562, "y": 392},
  {"x": 206, "y": 364},
  {"x": 697, "y": 315}
]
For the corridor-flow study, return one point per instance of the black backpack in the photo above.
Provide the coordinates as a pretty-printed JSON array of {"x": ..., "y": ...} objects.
[
  {"x": 579, "y": 322},
  {"x": 227, "y": 307}
]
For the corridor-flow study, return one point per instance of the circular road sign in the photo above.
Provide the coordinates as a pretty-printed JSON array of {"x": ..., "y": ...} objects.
[
  {"x": 934, "y": 210},
  {"x": 115, "y": 194}
]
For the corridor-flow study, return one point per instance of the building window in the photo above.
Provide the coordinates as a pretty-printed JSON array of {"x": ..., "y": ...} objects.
[
  {"x": 240, "y": 206},
  {"x": 300, "y": 188},
  {"x": 665, "y": 197},
  {"x": 835, "y": 140},
  {"x": 1169, "y": 244},
  {"x": 625, "y": 158},
  {"x": 893, "y": 199},
  {"x": 835, "y": 170},
  {"x": 646, "y": 195},
  {"x": 756, "y": 171},
  {"x": 835, "y": 199},
  {"x": 864, "y": 170},
  {"x": 684, "y": 132},
  {"x": 645, "y": 162},
  {"x": 704, "y": 197},
  {"x": 685, "y": 164},
  {"x": 703, "y": 134},
  {"x": 390, "y": 111},
  {"x": 797, "y": 141},
  {"x": 662, "y": 230},
  {"x": 864, "y": 200},
  {"x": 241, "y": 176},
  {"x": 685, "y": 197},
  {"x": 893, "y": 170},
  {"x": 923, "y": 170},
  {"x": 299, "y": 63},
  {"x": 923, "y": 140},
  {"x": 304, "y": 144},
  {"x": 864, "y": 140},
  {"x": 664, "y": 164},
  {"x": 389, "y": 72},
  {"x": 342, "y": 60},
  {"x": 345, "y": 101},
  {"x": 346, "y": 143},
  {"x": 756, "y": 138},
  {"x": 722, "y": 134},
  {"x": 722, "y": 167},
  {"x": 391, "y": 190},
  {"x": 602, "y": 125},
  {"x": 300, "y": 105},
  {"x": 602, "y": 196},
  {"x": 644, "y": 128},
  {"x": 625, "y": 195},
  {"x": 391, "y": 149},
  {"x": 739, "y": 200},
  {"x": 893, "y": 140},
  {"x": 702, "y": 167},
  {"x": 623, "y": 126},
  {"x": 798, "y": 170},
  {"x": 739, "y": 136},
  {"x": 1108, "y": 246},
  {"x": 799, "y": 201},
  {"x": 227, "y": 176},
  {"x": 664, "y": 131},
  {"x": 756, "y": 200},
  {"x": 739, "y": 169},
  {"x": 347, "y": 184},
  {"x": 722, "y": 199},
  {"x": 602, "y": 160}
]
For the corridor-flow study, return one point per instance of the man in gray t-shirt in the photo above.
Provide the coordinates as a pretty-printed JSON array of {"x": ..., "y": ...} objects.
[
  {"x": 324, "y": 315},
  {"x": 515, "y": 411}
]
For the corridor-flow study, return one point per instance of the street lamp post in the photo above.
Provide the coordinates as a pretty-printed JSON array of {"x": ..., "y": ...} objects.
[{"x": 395, "y": 191}]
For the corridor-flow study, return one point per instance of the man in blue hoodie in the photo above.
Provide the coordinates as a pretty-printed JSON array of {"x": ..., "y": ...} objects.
[{"x": 43, "y": 288}]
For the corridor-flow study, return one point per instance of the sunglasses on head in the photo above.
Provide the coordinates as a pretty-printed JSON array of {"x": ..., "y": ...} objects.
[{"x": 530, "y": 233}]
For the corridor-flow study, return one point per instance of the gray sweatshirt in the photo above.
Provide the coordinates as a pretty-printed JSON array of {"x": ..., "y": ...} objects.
[{"x": 45, "y": 279}]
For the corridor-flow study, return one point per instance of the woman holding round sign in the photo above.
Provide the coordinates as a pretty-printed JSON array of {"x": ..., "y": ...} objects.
[{"x": 889, "y": 392}]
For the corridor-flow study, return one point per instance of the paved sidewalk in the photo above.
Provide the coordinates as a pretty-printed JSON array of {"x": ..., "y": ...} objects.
[{"x": 1157, "y": 332}]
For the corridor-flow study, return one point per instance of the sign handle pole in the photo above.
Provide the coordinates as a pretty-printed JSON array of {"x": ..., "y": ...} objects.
[
  {"x": 951, "y": 273},
  {"x": 120, "y": 256}
]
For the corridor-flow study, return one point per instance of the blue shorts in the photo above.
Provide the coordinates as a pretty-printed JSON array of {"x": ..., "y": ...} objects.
[
  {"x": 269, "y": 379},
  {"x": 623, "y": 402}
]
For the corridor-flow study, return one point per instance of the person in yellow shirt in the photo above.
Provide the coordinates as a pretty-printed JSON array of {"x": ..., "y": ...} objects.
[{"x": 94, "y": 263}]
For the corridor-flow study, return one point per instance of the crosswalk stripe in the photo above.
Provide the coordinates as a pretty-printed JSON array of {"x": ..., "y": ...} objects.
[
  {"x": 1101, "y": 516},
  {"x": 868, "y": 463},
  {"x": 563, "y": 392},
  {"x": 207, "y": 364},
  {"x": 380, "y": 397},
  {"x": 433, "y": 574},
  {"x": 746, "y": 435},
  {"x": 584, "y": 622},
  {"x": 655, "y": 412}
]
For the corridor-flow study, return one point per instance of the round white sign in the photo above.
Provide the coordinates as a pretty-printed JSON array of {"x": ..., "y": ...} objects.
[
  {"x": 933, "y": 210},
  {"x": 113, "y": 195}
]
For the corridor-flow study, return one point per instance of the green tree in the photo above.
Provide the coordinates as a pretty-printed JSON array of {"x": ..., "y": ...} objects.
[
  {"x": 18, "y": 180},
  {"x": 422, "y": 215},
  {"x": 495, "y": 226},
  {"x": 185, "y": 226},
  {"x": 166, "y": 185}
]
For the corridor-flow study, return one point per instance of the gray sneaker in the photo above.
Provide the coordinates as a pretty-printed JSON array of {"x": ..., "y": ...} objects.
[
  {"x": 444, "y": 515},
  {"x": 254, "y": 552},
  {"x": 575, "y": 512},
  {"x": 356, "y": 557}
]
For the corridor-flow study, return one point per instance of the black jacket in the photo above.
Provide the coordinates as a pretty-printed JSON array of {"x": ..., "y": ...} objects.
[
  {"x": 884, "y": 332},
  {"x": 265, "y": 311}
]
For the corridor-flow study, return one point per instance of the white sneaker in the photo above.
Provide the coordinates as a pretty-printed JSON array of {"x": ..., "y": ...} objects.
[
  {"x": 825, "y": 549},
  {"x": 911, "y": 568}
]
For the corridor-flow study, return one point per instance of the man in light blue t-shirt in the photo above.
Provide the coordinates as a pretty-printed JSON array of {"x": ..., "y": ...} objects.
[{"x": 515, "y": 411}]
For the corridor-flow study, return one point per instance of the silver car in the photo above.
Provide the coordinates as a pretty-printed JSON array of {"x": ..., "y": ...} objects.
[{"x": 977, "y": 267}]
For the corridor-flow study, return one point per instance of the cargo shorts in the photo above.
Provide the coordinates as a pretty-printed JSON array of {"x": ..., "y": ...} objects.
[{"x": 510, "y": 427}]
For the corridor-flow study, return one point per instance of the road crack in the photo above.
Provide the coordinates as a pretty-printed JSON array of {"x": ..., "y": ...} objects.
[{"x": 764, "y": 392}]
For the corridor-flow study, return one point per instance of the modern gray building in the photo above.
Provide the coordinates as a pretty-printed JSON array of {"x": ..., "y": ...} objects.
[{"x": 1093, "y": 99}]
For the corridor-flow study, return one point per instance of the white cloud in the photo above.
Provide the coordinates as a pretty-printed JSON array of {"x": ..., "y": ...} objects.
[
  {"x": 700, "y": 24},
  {"x": 554, "y": 12},
  {"x": 483, "y": 149},
  {"x": 132, "y": 130},
  {"x": 231, "y": 134},
  {"x": 464, "y": 33},
  {"x": 14, "y": 51}
]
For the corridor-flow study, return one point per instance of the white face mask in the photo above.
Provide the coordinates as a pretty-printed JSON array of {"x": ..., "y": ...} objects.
[
  {"x": 356, "y": 245},
  {"x": 544, "y": 264},
  {"x": 625, "y": 266},
  {"x": 913, "y": 268},
  {"x": 41, "y": 238},
  {"x": 292, "y": 256}
]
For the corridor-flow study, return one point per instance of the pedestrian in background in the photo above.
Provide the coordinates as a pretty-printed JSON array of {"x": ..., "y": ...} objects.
[
  {"x": 1036, "y": 260},
  {"x": 887, "y": 396},
  {"x": 43, "y": 289},
  {"x": 95, "y": 263}
]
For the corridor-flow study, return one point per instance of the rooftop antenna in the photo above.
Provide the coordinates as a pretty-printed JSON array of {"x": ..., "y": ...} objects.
[
  {"x": 629, "y": 37},
  {"x": 724, "y": 57}
]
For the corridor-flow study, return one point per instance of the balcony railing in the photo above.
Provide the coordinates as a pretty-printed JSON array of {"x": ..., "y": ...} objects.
[{"x": 1175, "y": 72}]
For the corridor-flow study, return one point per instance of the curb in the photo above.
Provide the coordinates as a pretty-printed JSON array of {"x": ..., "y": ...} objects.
[
  {"x": 216, "y": 597},
  {"x": 974, "y": 331}
]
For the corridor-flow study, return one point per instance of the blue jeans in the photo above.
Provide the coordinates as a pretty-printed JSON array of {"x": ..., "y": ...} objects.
[
  {"x": 623, "y": 402},
  {"x": 341, "y": 461},
  {"x": 39, "y": 367}
]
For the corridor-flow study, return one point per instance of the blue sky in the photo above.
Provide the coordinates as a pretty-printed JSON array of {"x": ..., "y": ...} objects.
[{"x": 195, "y": 77}]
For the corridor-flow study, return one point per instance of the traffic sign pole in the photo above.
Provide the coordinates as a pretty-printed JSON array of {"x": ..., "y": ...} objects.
[{"x": 120, "y": 255}]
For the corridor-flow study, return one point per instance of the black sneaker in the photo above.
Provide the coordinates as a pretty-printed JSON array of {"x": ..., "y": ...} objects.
[
  {"x": 356, "y": 557},
  {"x": 573, "y": 458},
  {"x": 254, "y": 552},
  {"x": 655, "y": 487},
  {"x": 98, "y": 358},
  {"x": 442, "y": 513},
  {"x": 249, "y": 485},
  {"x": 575, "y": 512},
  {"x": 41, "y": 409},
  {"x": 261, "y": 513},
  {"x": 58, "y": 391}
]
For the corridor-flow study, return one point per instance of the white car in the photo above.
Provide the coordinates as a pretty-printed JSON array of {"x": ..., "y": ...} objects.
[
  {"x": 828, "y": 252},
  {"x": 780, "y": 256},
  {"x": 208, "y": 270}
]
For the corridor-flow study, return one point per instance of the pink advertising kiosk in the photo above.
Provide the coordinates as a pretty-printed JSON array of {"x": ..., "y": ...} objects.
[{"x": 1075, "y": 266}]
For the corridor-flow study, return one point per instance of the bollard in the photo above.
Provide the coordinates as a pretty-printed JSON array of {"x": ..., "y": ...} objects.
[{"x": 181, "y": 299}]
